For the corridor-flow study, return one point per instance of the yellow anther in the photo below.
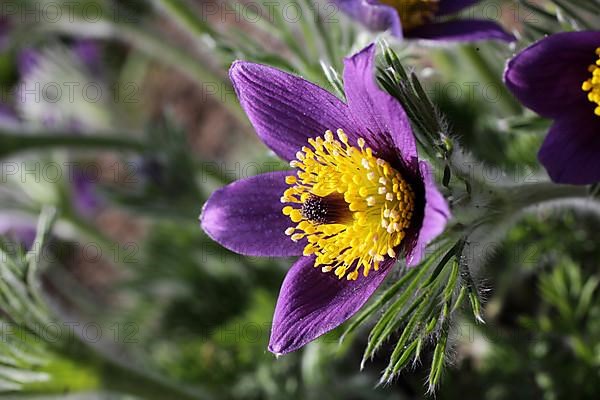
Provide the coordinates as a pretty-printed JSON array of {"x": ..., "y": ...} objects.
[
  {"x": 296, "y": 216},
  {"x": 592, "y": 85},
  {"x": 342, "y": 136},
  {"x": 352, "y": 276},
  {"x": 414, "y": 13}
]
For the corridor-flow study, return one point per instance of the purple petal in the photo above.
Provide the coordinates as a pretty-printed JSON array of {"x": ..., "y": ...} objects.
[
  {"x": 312, "y": 303},
  {"x": 285, "y": 109},
  {"x": 19, "y": 229},
  {"x": 453, "y": 6},
  {"x": 245, "y": 217},
  {"x": 8, "y": 117},
  {"x": 387, "y": 125},
  {"x": 547, "y": 76},
  {"x": 373, "y": 15},
  {"x": 461, "y": 31},
  {"x": 89, "y": 53},
  {"x": 571, "y": 151},
  {"x": 28, "y": 59},
  {"x": 436, "y": 215},
  {"x": 85, "y": 197}
]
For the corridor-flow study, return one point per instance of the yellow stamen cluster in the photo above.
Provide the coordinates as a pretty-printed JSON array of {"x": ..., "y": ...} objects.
[
  {"x": 352, "y": 207},
  {"x": 592, "y": 85},
  {"x": 414, "y": 13}
]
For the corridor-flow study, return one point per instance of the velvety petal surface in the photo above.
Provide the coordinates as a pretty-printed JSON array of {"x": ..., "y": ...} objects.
[
  {"x": 454, "y": 6},
  {"x": 245, "y": 217},
  {"x": 436, "y": 215},
  {"x": 547, "y": 76},
  {"x": 312, "y": 303},
  {"x": 372, "y": 14},
  {"x": 571, "y": 151},
  {"x": 285, "y": 109},
  {"x": 461, "y": 31},
  {"x": 387, "y": 128}
]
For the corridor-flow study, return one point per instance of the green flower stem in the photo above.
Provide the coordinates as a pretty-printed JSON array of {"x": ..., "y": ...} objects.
[
  {"x": 489, "y": 74},
  {"x": 525, "y": 196},
  {"x": 12, "y": 142},
  {"x": 187, "y": 20},
  {"x": 506, "y": 204}
]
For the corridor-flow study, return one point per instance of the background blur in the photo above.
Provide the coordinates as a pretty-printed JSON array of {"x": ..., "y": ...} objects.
[{"x": 117, "y": 121}]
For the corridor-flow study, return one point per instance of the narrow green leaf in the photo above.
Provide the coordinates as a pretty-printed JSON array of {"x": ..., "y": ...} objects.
[
  {"x": 586, "y": 297},
  {"x": 380, "y": 302},
  {"x": 375, "y": 337},
  {"x": 459, "y": 299},
  {"x": 451, "y": 285},
  {"x": 437, "y": 364},
  {"x": 475, "y": 306},
  {"x": 404, "y": 359}
]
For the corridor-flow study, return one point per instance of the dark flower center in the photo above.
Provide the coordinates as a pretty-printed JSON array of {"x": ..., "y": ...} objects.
[
  {"x": 414, "y": 13},
  {"x": 331, "y": 209}
]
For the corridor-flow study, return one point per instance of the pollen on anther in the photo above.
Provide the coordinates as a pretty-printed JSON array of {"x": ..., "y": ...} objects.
[
  {"x": 414, "y": 13},
  {"x": 351, "y": 207},
  {"x": 342, "y": 136},
  {"x": 592, "y": 85}
]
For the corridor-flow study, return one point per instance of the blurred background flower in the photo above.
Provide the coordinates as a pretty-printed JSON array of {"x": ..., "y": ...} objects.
[
  {"x": 419, "y": 19},
  {"x": 566, "y": 90}
]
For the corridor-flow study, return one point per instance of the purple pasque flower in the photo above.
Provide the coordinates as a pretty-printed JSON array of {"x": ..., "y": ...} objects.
[
  {"x": 559, "y": 78},
  {"x": 18, "y": 229},
  {"x": 41, "y": 97},
  {"x": 85, "y": 195},
  {"x": 419, "y": 19},
  {"x": 356, "y": 200},
  {"x": 88, "y": 52}
]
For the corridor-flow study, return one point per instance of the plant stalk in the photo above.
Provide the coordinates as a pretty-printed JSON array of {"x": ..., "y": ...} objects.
[
  {"x": 488, "y": 74},
  {"x": 12, "y": 143}
]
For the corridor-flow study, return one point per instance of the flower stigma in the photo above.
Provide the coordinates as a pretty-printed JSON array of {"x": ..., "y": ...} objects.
[
  {"x": 414, "y": 13},
  {"x": 592, "y": 85},
  {"x": 352, "y": 207}
]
